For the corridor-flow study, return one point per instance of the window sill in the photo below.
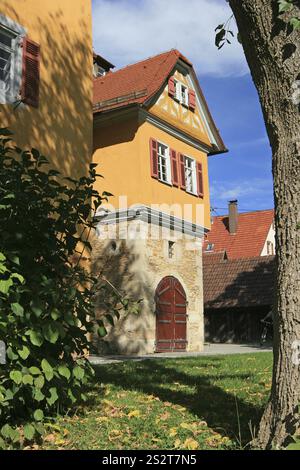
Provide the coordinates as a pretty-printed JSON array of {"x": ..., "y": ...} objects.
[
  {"x": 168, "y": 183},
  {"x": 191, "y": 193}
]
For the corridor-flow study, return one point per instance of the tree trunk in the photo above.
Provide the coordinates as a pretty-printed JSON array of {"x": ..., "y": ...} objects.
[{"x": 272, "y": 51}]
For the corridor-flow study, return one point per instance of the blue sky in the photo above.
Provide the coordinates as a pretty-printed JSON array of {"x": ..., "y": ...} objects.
[{"x": 125, "y": 31}]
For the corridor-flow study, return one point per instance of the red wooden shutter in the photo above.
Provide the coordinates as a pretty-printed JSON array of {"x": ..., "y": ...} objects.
[
  {"x": 174, "y": 167},
  {"x": 182, "y": 172},
  {"x": 171, "y": 86},
  {"x": 200, "y": 179},
  {"x": 30, "y": 73},
  {"x": 192, "y": 99},
  {"x": 153, "y": 158}
]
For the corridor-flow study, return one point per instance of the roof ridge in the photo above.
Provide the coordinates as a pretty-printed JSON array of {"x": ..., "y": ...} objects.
[
  {"x": 245, "y": 213},
  {"x": 137, "y": 62}
]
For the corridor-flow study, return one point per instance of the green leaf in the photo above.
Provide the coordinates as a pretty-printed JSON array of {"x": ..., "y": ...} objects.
[
  {"x": 55, "y": 314},
  {"x": 37, "y": 307},
  {"x": 284, "y": 5},
  {"x": 53, "y": 396},
  {"x": 39, "y": 382},
  {"x": 38, "y": 415},
  {"x": 64, "y": 371},
  {"x": 29, "y": 431},
  {"x": 219, "y": 27},
  {"x": 16, "y": 376},
  {"x": 27, "y": 379},
  {"x": 34, "y": 370},
  {"x": 11, "y": 355},
  {"x": 51, "y": 332},
  {"x": 9, "y": 432},
  {"x": 38, "y": 395},
  {"x": 5, "y": 285},
  {"x": 47, "y": 369},
  {"x": 36, "y": 337},
  {"x": 17, "y": 309},
  {"x": 295, "y": 22},
  {"x": 102, "y": 331},
  {"x": 24, "y": 352},
  {"x": 78, "y": 372},
  {"x": 6, "y": 430},
  {"x": 220, "y": 36}
]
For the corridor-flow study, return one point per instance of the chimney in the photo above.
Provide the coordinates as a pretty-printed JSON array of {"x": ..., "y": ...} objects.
[{"x": 233, "y": 216}]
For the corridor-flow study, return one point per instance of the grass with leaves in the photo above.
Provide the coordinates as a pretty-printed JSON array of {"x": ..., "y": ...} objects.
[{"x": 185, "y": 403}]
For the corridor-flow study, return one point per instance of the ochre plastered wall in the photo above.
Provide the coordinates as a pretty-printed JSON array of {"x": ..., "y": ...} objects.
[
  {"x": 61, "y": 128},
  {"x": 122, "y": 151}
]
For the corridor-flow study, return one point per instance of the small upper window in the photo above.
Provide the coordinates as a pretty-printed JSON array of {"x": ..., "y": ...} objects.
[
  {"x": 171, "y": 249},
  {"x": 209, "y": 247},
  {"x": 181, "y": 93},
  {"x": 190, "y": 175},
  {"x": 98, "y": 71},
  {"x": 164, "y": 168},
  {"x": 270, "y": 248}
]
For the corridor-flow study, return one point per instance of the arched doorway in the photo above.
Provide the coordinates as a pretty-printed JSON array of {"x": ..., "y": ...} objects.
[{"x": 171, "y": 315}]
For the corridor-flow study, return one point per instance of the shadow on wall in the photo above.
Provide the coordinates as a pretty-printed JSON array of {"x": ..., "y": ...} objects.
[
  {"x": 121, "y": 263},
  {"x": 61, "y": 127}
]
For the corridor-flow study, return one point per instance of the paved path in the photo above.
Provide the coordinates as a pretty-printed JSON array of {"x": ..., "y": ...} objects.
[{"x": 209, "y": 350}]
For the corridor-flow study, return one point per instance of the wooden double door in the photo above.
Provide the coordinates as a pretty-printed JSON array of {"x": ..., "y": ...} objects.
[{"x": 171, "y": 316}]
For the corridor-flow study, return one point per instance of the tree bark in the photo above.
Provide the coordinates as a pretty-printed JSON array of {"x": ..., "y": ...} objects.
[{"x": 272, "y": 51}]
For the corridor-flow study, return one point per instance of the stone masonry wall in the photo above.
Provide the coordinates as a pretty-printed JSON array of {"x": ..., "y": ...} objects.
[{"x": 135, "y": 263}]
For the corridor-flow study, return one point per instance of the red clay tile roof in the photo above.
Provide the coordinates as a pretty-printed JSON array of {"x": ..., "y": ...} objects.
[
  {"x": 239, "y": 283},
  {"x": 253, "y": 228},
  {"x": 135, "y": 83}
]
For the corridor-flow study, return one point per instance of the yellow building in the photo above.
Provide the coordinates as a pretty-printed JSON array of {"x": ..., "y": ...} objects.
[
  {"x": 153, "y": 133},
  {"x": 46, "y": 68}
]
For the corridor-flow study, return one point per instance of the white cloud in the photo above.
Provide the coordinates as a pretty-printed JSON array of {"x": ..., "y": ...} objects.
[
  {"x": 126, "y": 31},
  {"x": 253, "y": 188}
]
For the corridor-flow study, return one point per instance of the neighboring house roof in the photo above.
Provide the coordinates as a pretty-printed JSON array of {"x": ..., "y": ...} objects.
[
  {"x": 238, "y": 283},
  {"x": 138, "y": 83},
  {"x": 248, "y": 241}
]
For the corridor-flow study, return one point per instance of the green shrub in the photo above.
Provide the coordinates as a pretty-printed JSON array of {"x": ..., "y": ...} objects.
[{"x": 46, "y": 295}]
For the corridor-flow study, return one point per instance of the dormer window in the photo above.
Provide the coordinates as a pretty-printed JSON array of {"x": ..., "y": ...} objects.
[
  {"x": 209, "y": 247},
  {"x": 98, "y": 71},
  {"x": 181, "y": 93}
]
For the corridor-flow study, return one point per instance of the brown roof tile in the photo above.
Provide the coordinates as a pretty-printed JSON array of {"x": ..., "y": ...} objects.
[
  {"x": 253, "y": 228},
  {"x": 239, "y": 283}
]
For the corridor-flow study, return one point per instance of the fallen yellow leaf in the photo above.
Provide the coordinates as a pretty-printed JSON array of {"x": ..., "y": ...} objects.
[
  {"x": 177, "y": 444},
  {"x": 134, "y": 414},
  {"x": 173, "y": 432},
  {"x": 191, "y": 444},
  {"x": 102, "y": 419}
]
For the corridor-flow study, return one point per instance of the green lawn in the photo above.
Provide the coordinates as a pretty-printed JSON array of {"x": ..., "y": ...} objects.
[{"x": 184, "y": 403}]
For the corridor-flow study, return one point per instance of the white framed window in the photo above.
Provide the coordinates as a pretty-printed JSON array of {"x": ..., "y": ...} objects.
[
  {"x": 11, "y": 35},
  {"x": 190, "y": 175},
  {"x": 181, "y": 92},
  {"x": 99, "y": 71},
  {"x": 164, "y": 164},
  {"x": 209, "y": 247},
  {"x": 270, "y": 248}
]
